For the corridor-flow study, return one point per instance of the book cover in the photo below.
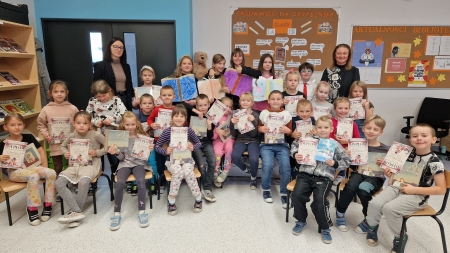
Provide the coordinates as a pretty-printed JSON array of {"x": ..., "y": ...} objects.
[
  {"x": 199, "y": 126},
  {"x": 60, "y": 128},
  {"x": 10, "y": 78},
  {"x": 263, "y": 86},
  {"x": 237, "y": 83},
  {"x": 211, "y": 88},
  {"x": 4, "y": 45},
  {"x": 216, "y": 112},
  {"x": 117, "y": 138},
  {"x": 275, "y": 121},
  {"x": 359, "y": 149},
  {"x": 16, "y": 152},
  {"x": 156, "y": 93},
  {"x": 325, "y": 149},
  {"x": 143, "y": 90},
  {"x": 141, "y": 147},
  {"x": 319, "y": 111},
  {"x": 410, "y": 174},
  {"x": 371, "y": 168},
  {"x": 307, "y": 147},
  {"x": 185, "y": 87},
  {"x": 396, "y": 157},
  {"x": 3, "y": 114},
  {"x": 418, "y": 73},
  {"x": 178, "y": 138},
  {"x": 304, "y": 127},
  {"x": 356, "y": 108},
  {"x": 79, "y": 151},
  {"x": 26, "y": 109},
  {"x": 225, "y": 126},
  {"x": 181, "y": 156},
  {"x": 163, "y": 119},
  {"x": 344, "y": 128},
  {"x": 32, "y": 158},
  {"x": 243, "y": 125},
  {"x": 10, "y": 107},
  {"x": 291, "y": 106},
  {"x": 14, "y": 45}
]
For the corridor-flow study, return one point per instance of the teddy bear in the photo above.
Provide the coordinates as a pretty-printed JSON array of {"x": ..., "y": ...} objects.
[{"x": 200, "y": 69}]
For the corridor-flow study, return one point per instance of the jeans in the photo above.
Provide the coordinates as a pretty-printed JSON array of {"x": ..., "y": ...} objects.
[
  {"x": 207, "y": 171},
  {"x": 360, "y": 124},
  {"x": 253, "y": 154},
  {"x": 268, "y": 153}
]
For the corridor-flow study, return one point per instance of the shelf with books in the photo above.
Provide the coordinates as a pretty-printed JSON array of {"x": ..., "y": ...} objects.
[
  {"x": 24, "y": 85},
  {"x": 32, "y": 116},
  {"x": 16, "y": 55}
]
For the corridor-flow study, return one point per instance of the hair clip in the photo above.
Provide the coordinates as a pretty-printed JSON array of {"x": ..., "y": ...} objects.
[{"x": 291, "y": 70}]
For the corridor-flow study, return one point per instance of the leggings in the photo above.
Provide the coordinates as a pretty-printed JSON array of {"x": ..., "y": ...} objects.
[
  {"x": 180, "y": 172},
  {"x": 122, "y": 175},
  {"x": 220, "y": 149},
  {"x": 75, "y": 203},
  {"x": 253, "y": 154}
]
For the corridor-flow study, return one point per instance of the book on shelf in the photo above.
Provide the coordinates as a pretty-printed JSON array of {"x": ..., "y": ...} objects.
[
  {"x": 14, "y": 46},
  {"x": 344, "y": 128},
  {"x": 359, "y": 149},
  {"x": 225, "y": 126},
  {"x": 243, "y": 125},
  {"x": 60, "y": 128},
  {"x": 10, "y": 107},
  {"x": 396, "y": 157},
  {"x": 185, "y": 87},
  {"x": 32, "y": 158},
  {"x": 291, "y": 106},
  {"x": 237, "y": 83},
  {"x": 23, "y": 107},
  {"x": 199, "y": 126},
  {"x": 211, "y": 88},
  {"x": 163, "y": 119},
  {"x": 319, "y": 111},
  {"x": 117, "y": 139},
  {"x": 216, "y": 112},
  {"x": 262, "y": 87},
  {"x": 307, "y": 147},
  {"x": 4, "y": 135},
  {"x": 325, "y": 149},
  {"x": 79, "y": 151},
  {"x": 9, "y": 77},
  {"x": 3, "y": 114},
  {"x": 178, "y": 138},
  {"x": 410, "y": 173},
  {"x": 371, "y": 168},
  {"x": 304, "y": 127},
  {"x": 141, "y": 147},
  {"x": 275, "y": 121},
  {"x": 16, "y": 152},
  {"x": 356, "y": 108}
]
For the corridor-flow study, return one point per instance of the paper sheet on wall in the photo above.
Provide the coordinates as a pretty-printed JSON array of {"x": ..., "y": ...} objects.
[
  {"x": 433, "y": 43},
  {"x": 444, "y": 48},
  {"x": 370, "y": 75},
  {"x": 441, "y": 63}
]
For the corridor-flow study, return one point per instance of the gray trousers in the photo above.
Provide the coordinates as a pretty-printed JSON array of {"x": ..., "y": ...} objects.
[
  {"x": 75, "y": 203},
  {"x": 393, "y": 204}
]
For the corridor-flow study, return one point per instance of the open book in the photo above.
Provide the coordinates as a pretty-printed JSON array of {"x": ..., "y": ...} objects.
[
  {"x": 237, "y": 83},
  {"x": 185, "y": 87},
  {"x": 263, "y": 86},
  {"x": 211, "y": 88}
]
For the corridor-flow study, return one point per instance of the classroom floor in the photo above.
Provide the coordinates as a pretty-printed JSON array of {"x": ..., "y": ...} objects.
[{"x": 240, "y": 221}]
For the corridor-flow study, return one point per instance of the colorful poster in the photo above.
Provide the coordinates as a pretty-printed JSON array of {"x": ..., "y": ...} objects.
[
  {"x": 368, "y": 58},
  {"x": 395, "y": 65},
  {"x": 418, "y": 73},
  {"x": 60, "y": 128},
  {"x": 79, "y": 151},
  {"x": 16, "y": 152},
  {"x": 400, "y": 49},
  {"x": 371, "y": 168},
  {"x": 396, "y": 157},
  {"x": 243, "y": 125},
  {"x": 237, "y": 83},
  {"x": 307, "y": 147},
  {"x": 141, "y": 147},
  {"x": 358, "y": 148}
]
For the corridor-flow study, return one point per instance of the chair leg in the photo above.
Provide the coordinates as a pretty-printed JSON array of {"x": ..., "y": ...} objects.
[
  {"x": 62, "y": 206},
  {"x": 150, "y": 195},
  {"x": 402, "y": 235},
  {"x": 441, "y": 227},
  {"x": 288, "y": 205},
  {"x": 8, "y": 207},
  {"x": 94, "y": 189},
  {"x": 159, "y": 184}
]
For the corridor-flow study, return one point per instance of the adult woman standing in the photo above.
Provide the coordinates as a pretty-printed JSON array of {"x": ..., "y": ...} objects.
[
  {"x": 115, "y": 71},
  {"x": 341, "y": 74}
]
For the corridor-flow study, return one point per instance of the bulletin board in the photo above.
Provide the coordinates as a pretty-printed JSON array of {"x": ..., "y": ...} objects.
[
  {"x": 402, "y": 56},
  {"x": 291, "y": 35}
]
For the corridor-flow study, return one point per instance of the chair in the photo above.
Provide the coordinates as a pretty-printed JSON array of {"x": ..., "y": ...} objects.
[
  {"x": 168, "y": 177},
  {"x": 429, "y": 211},
  {"x": 148, "y": 175}
]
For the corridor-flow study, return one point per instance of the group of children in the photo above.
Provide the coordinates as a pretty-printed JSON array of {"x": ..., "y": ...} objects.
[{"x": 106, "y": 111}]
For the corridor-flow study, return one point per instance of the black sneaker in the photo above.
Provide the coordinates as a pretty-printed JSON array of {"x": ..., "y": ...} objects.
[
  {"x": 58, "y": 198},
  {"x": 33, "y": 217},
  {"x": 198, "y": 206},
  {"x": 172, "y": 209},
  {"x": 134, "y": 190},
  {"x": 129, "y": 186},
  {"x": 396, "y": 244},
  {"x": 253, "y": 185},
  {"x": 46, "y": 213}
]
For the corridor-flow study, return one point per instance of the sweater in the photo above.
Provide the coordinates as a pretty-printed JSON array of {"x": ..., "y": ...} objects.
[
  {"x": 52, "y": 110},
  {"x": 113, "y": 110},
  {"x": 251, "y": 136},
  {"x": 165, "y": 138},
  {"x": 340, "y": 80},
  {"x": 127, "y": 161}
]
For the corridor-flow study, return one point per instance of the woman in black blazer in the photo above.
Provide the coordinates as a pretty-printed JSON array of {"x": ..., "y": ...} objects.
[{"x": 115, "y": 71}]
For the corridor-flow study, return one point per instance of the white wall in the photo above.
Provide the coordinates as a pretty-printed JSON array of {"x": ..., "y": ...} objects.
[
  {"x": 212, "y": 26},
  {"x": 31, "y": 15}
]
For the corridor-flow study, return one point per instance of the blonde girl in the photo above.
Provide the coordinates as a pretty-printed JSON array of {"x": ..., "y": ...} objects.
[
  {"x": 359, "y": 90},
  {"x": 320, "y": 98},
  {"x": 217, "y": 71},
  {"x": 147, "y": 75},
  {"x": 291, "y": 81},
  {"x": 14, "y": 124},
  {"x": 185, "y": 66}
]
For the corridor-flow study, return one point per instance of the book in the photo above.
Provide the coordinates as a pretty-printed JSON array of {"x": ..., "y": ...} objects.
[
  {"x": 359, "y": 149},
  {"x": 344, "y": 128},
  {"x": 60, "y": 128},
  {"x": 164, "y": 118},
  {"x": 185, "y": 87},
  {"x": 371, "y": 168},
  {"x": 225, "y": 126},
  {"x": 156, "y": 93},
  {"x": 396, "y": 157},
  {"x": 79, "y": 151},
  {"x": 16, "y": 152},
  {"x": 10, "y": 107},
  {"x": 216, "y": 112},
  {"x": 356, "y": 108},
  {"x": 181, "y": 156},
  {"x": 23, "y": 107},
  {"x": 291, "y": 106},
  {"x": 211, "y": 88},
  {"x": 3, "y": 114},
  {"x": 243, "y": 125},
  {"x": 5, "y": 47},
  {"x": 117, "y": 138},
  {"x": 307, "y": 147},
  {"x": 143, "y": 90},
  {"x": 179, "y": 138},
  {"x": 32, "y": 158},
  {"x": 14, "y": 45},
  {"x": 325, "y": 149},
  {"x": 275, "y": 121},
  {"x": 319, "y": 111},
  {"x": 304, "y": 127},
  {"x": 199, "y": 126},
  {"x": 263, "y": 86},
  {"x": 10, "y": 78},
  {"x": 410, "y": 173},
  {"x": 237, "y": 83},
  {"x": 141, "y": 147}
]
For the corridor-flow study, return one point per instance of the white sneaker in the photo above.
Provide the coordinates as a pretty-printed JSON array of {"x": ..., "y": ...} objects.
[
  {"x": 71, "y": 217},
  {"x": 74, "y": 224}
]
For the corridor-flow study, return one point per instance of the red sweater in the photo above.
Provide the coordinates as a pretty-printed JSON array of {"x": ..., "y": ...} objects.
[
  {"x": 355, "y": 131},
  {"x": 154, "y": 114}
]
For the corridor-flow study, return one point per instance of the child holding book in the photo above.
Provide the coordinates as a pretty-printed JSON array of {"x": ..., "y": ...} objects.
[
  {"x": 237, "y": 60},
  {"x": 78, "y": 173},
  {"x": 248, "y": 141},
  {"x": 147, "y": 75},
  {"x": 217, "y": 71},
  {"x": 14, "y": 124},
  {"x": 308, "y": 86},
  {"x": 280, "y": 151},
  {"x": 320, "y": 98},
  {"x": 127, "y": 165},
  {"x": 394, "y": 202},
  {"x": 291, "y": 80},
  {"x": 318, "y": 181},
  {"x": 361, "y": 184},
  {"x": 185, "y": 66},
  {"x": 184, "y": 171},
  {"x": 359, "y": 90}
]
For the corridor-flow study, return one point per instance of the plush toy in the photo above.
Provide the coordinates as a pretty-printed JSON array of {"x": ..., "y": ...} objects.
[{"x": 200, "y": 69}]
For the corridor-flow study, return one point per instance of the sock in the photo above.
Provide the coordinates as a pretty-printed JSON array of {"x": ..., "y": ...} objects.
[
  {"x": 198, "y": 198},
  {"x": 48, "y": 204},
  {"x": 171, "y": 200},
  {"x": 340, "y": 215},
  {"x": 253, "y": 178},
  {"x": 116, "y": 213},
  {"x": 141, "y": 211},
  {"x": 32, "y": 208}
]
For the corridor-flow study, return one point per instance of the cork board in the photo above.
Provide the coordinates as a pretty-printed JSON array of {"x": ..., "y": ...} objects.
[
  {"x": 402, "y": 56},
  {"x": 291, "y": 35}
]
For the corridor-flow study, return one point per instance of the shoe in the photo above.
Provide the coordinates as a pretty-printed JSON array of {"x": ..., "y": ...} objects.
[
  {"x": 172, "y": 209},
  {"x": 338, "y": 180},
  {"x": 129, "y": 186},
  {"x": 90, "y": 191},
  {"x": 267, "y": 197},
  {"x": 362, "y": 227},
  {"x": 396, "y": 244},
  {"x": 284, "y": 202},
  {"x": 71, "y": 217},
  {"x": 326, "y": 236},
  {"x": 162, "y": 189},
  {"x": 74, "y": 224},
  {"x": 372, "y": 236},
  {"x": 33, "y": 217},
  {"x": 217, "y": 184},
  {"x": 58, "y": 198},
  {"x": 253, "y": 185},
  {"x": 208, "y": 195},
  {"x": 341, "y": 223},
  {"x": 143, "y": 220},
  {"x": 46, "y": 213},
  {"x": 115, "y": 223},
  {"x": 299, "y": 226},
  {"x": 134, "y": 190},
  {"x": 247, "y": 170},
  {"x": 221, "y": 178},
  {"x": 198, "y": 206}
]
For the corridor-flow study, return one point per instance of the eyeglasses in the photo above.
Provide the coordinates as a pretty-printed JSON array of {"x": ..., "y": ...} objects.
[
  {"x": 306, "y": 71},
  {"x": 117, "y": 47}
]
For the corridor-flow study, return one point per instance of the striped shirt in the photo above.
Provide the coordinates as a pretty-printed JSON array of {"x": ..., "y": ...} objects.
[{"x": 165, "y": 138}]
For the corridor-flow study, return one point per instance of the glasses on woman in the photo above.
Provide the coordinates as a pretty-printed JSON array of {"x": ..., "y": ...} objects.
[{"x": 117, "y": 47}]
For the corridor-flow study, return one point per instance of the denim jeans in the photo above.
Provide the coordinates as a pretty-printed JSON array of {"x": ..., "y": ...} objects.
[
  {"x": 253, "y": 154},
  {"x": 268, "y": 153},
  {"x": 360, "y": 124}
]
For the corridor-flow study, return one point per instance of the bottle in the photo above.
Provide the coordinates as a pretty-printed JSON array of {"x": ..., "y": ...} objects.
[{"x": 443, "y": 151}]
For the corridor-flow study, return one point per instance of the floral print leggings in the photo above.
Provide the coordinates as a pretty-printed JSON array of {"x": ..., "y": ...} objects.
[{"x": 180, "y": 172}]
